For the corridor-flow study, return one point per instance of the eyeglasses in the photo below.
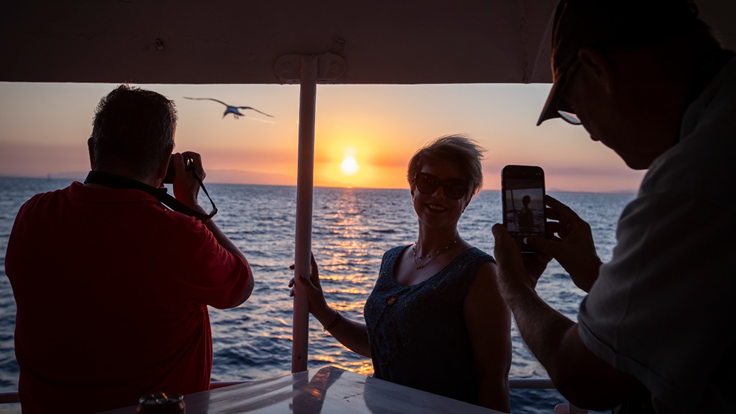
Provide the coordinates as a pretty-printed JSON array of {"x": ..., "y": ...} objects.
[
  {"x": 568, "y": 114},
  {"x": 454, "y": 188},
  {"x": 569, "y": 117}
]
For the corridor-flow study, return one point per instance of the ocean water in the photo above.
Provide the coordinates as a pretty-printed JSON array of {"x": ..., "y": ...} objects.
[{"x": 351, "y": 230}]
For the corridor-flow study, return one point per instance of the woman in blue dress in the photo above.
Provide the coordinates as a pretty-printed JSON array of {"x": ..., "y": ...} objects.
[{"x": 435, "y": 320}]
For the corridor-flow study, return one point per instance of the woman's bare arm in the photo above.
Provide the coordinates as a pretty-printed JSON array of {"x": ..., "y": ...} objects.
[
  {"x": 352, "y": 334},
  {"x": 489, "y": 323}
]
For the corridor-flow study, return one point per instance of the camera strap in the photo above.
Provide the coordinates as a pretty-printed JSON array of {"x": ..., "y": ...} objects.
[{"x": 116, "y": 181}]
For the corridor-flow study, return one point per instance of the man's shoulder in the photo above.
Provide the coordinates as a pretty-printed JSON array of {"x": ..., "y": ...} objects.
[
  {"x": 139, "y": 208},
  {"x": 180, "y": 228},
  {"x": 175, "y": 218},
  {"x": 701, "y": 164},
  {"x": 46, "y": 198}
]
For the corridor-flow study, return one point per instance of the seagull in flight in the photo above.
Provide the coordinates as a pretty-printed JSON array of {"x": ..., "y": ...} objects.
[{"x": 230, "y": 109}]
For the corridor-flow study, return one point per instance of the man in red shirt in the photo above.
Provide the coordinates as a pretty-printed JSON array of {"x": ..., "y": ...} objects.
[{"x": 112, "y": 287}]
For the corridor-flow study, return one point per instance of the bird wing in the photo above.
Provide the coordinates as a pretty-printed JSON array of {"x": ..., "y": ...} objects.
[
  {"x": 206, "y": 99},
  {"x": 254, "y": 109}
]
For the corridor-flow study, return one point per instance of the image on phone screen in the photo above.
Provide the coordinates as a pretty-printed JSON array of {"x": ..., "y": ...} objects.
[{"x": 523, "y": 203}]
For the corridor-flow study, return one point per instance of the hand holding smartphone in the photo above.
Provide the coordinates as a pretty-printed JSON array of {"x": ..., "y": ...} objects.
[{"x": 522, "y": 192}]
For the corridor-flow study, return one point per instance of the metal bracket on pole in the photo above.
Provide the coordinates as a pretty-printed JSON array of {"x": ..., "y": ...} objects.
[
  {"x": 330, "y": 67},
  {"x": 306, "y": 70}
]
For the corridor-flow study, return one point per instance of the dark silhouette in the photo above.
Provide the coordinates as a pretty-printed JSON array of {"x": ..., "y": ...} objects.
[
  {"x": 115, "y": 306},
  {"x": 655, "y": 332},
  {"x": 526, "y": 216}
]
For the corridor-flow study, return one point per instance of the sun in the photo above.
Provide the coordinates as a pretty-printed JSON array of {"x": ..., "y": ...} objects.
[{"x": 349, "y": 166}]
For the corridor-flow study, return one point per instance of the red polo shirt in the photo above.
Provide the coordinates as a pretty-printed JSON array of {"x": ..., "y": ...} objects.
[{"x": 112, "y": 291}]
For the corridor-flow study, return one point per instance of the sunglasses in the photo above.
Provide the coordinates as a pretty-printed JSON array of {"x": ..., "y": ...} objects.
[{"x": 454, "y": 188}]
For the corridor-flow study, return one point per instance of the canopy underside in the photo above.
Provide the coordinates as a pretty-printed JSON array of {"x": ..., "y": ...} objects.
[{"x": 232, "y": 41}]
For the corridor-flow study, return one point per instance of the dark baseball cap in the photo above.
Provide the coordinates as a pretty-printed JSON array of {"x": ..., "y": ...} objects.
[{"x": 597, "y": 23}]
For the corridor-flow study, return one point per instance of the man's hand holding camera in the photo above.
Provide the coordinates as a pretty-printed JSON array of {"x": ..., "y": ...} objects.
[{"x": 186, "y": 186}]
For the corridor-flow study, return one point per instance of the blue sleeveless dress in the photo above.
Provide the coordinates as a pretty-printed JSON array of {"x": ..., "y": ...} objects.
[{"x": 417, "y": 334}]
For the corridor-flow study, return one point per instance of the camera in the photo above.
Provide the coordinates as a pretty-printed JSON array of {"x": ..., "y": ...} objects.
[{"x": 171, "y": 171}]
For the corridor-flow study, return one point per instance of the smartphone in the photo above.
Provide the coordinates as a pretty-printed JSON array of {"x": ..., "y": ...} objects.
[{"x": 522, "y": 192}]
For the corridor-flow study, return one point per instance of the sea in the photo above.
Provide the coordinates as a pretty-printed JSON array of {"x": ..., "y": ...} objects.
[{"x": 352, "y": 228}]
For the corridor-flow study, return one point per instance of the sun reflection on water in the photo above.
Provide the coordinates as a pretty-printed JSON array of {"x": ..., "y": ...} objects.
[
  {"x": 348, "y": 306},
  {"x": 364, "y": 367}
]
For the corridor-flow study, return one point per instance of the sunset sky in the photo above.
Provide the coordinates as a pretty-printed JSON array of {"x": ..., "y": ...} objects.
[{"x": 370, "y": 131}]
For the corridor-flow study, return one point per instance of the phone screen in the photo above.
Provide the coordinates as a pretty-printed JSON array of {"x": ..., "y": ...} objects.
[{"x": 523, "y": 203}]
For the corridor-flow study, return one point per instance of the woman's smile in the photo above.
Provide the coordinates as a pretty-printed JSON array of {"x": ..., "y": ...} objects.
[{"x": 436, "y": 208}]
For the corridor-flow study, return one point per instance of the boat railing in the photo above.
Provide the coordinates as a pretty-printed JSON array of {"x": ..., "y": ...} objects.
[{"x": 9, "y": 397}]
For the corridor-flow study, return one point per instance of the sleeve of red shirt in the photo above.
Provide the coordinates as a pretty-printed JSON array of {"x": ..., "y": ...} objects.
[{"x": 211, "y": 274}]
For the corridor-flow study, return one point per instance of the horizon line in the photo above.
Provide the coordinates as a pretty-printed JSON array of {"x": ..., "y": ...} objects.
[{"x": 553, "y": 190}]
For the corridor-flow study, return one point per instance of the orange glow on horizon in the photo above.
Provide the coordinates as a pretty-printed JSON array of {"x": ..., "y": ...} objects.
[
  {"x": 364, "y": 137},
  {"x": 360, "y": 157}
]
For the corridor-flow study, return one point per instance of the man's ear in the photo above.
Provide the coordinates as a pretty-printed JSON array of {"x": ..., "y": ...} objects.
[
  {"x": 91, "y": 149},
  {"x": 162, "y": 168},
  {"x": 599, "y": 67}
]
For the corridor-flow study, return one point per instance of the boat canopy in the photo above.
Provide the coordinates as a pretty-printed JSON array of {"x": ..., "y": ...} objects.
[{"x": 238, "y": 42}]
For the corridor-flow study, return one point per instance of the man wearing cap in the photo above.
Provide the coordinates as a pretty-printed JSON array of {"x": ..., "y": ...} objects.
[{"x": 656, "y": 331}]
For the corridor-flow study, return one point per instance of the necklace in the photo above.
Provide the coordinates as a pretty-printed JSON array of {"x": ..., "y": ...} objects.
[{"x": 429, "y": 256}]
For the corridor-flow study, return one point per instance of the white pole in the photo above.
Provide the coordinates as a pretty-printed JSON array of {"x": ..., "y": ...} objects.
[{"x": 304, "y": 193}]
